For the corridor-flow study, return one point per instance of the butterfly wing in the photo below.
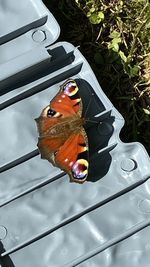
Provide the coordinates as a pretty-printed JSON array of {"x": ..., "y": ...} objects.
[
  {"x": 67, "y": 102},
  {"x": 69, "y": 151},
  {"x": 73, "y": 157}
]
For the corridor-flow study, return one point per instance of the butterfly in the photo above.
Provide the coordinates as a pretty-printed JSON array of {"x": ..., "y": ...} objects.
[{"x": 62, "y": 138}]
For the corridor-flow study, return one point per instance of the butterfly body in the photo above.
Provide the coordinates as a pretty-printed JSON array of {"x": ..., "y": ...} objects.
[{"x": 62, "y": 139}]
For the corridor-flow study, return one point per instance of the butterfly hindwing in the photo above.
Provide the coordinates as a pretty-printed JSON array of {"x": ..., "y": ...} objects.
[{"x": 73, "y": 157}]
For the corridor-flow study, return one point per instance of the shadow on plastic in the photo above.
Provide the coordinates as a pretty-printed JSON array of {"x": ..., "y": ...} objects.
[
  {"x": 98, "y": 133},
  {"x": 5, "y": 261}
]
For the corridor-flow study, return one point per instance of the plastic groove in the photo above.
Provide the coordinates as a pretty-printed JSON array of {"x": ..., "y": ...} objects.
[
  {"x": 73, "y": 218},
  {"x": 98, "y": 118},
  {"x": 104, "y": 115},
  {"x": 19, "y": 160},
  {"x": 107, "y": 148},
  {"x": 42, "y": 65},
  {"x": 48, "y": 66},
  {"x": 42, "y": 86},
  {"x": 10, "y": 36},
  {"x": 33, "y": 188},
  {"x": 138, "y": 227},
  {"x": 23, "y": 68}
]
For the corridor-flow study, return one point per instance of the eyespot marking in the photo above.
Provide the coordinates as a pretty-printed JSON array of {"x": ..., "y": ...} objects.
[
  {"x": 51, "y": 113},
  {"x": 80, "y": 169},
  {"x": 70, "y": 88}
]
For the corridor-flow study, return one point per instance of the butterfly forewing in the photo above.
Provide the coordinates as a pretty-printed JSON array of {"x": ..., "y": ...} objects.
[{"x": 68, "y": 100}]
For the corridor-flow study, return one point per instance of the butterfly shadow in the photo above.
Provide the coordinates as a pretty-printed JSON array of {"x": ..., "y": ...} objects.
[
  {"x": 99, "y": 131},
  {"x": 5, "y": 261}
]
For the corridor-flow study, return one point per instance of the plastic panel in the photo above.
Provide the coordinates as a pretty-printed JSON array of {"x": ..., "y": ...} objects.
[{"x": 45, "y": 220}]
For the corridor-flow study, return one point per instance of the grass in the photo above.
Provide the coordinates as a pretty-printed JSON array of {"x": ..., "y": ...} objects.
[{"x": 113, "y": 35}]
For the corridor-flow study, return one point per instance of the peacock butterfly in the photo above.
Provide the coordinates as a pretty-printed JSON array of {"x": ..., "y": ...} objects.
[{"x": 62, "y": 138}]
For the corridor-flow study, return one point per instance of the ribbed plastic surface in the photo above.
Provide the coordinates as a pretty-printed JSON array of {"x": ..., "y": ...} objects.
[{"x": 45, "y": 220}]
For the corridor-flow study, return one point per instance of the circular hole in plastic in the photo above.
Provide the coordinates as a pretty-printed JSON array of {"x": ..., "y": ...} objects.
[
  {"x": 144, "y": 205},
  {"x": 39, "y": 36},
  {"x": 3, "y": 232},
  {"x": 128, "y": 165}
]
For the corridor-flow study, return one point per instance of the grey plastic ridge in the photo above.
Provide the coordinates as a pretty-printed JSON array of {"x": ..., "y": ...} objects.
[
  {"x": 32, "y": 188},
  {"x": 76, "y": 217},
  {"x": 33, "y": 66},
  {"x": 18, "y": 161},
  {"x": 135, "y": 229},
  {"x": 24, "y": 66},
  {"x": 12, "y": 35},
  {"x": 34, "y": 63},
  {"x": 42, "y": 86}
]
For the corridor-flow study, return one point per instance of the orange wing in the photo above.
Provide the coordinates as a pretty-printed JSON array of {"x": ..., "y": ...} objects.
[
  {"x": 67, "y": 102},
  {"x": 64, "y": 149},
  {"x": 73, "y": 157}
]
